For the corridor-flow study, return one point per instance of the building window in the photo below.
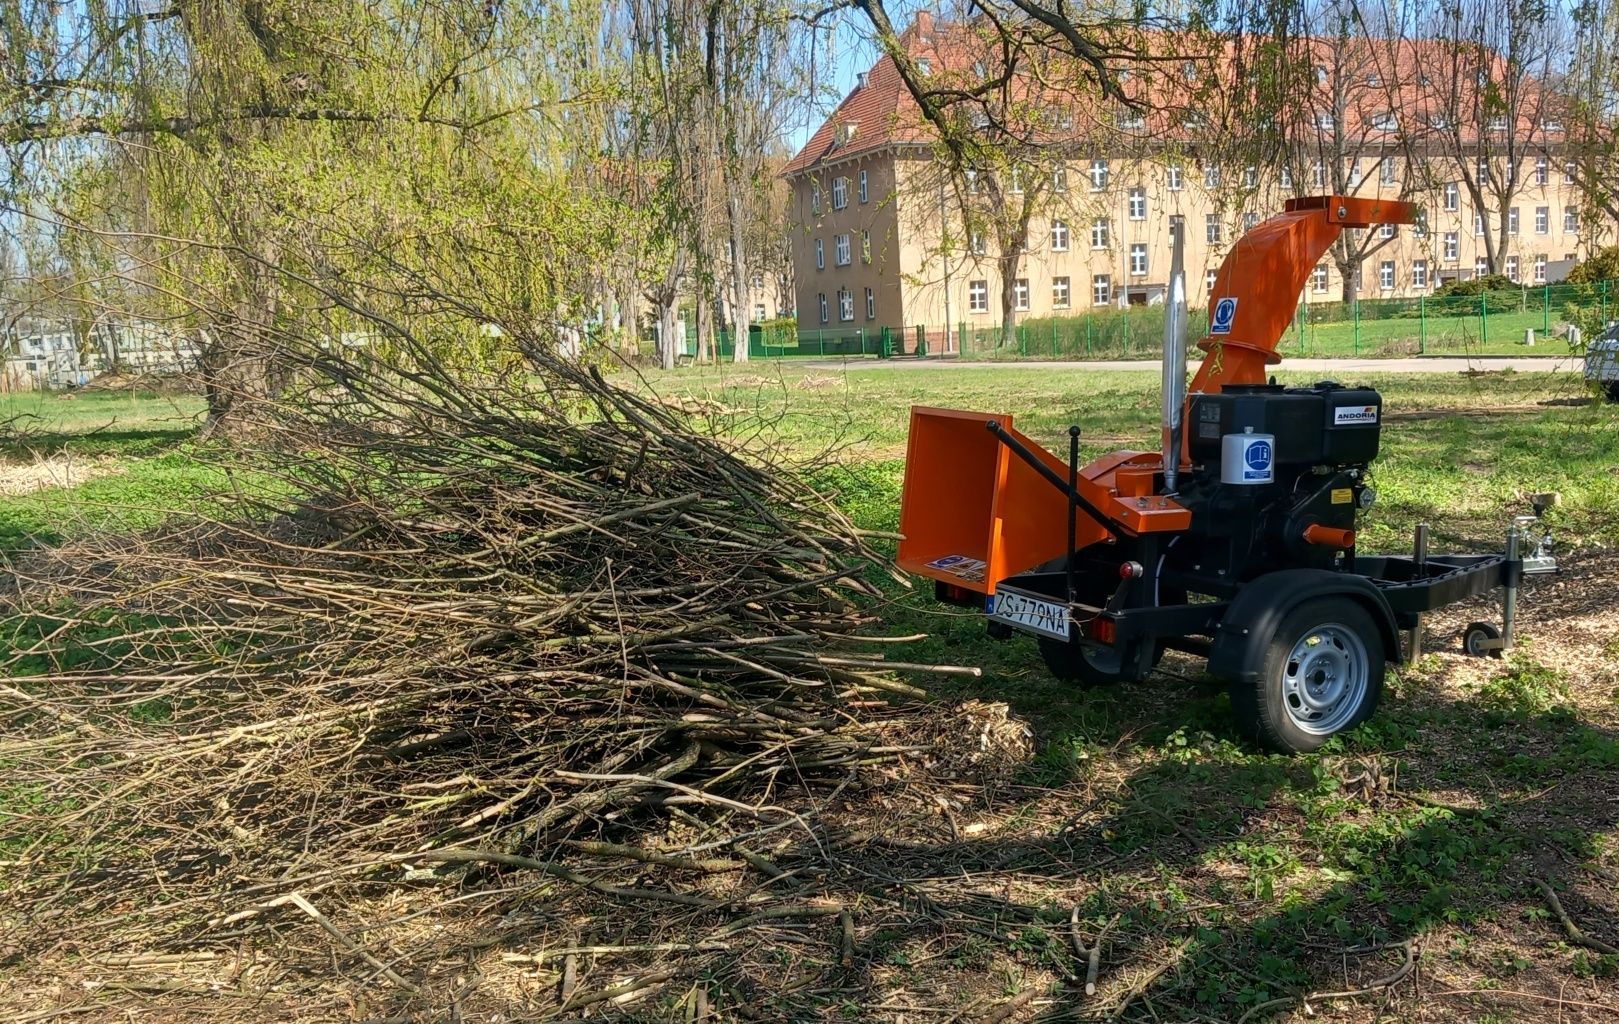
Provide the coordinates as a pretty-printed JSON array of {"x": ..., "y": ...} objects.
[
  {"x": 1059, "y": 236},
  {"x": 1571, "y": 219},
  {"x": 1250, "y": 221},
  {"x": 840, "y": 193},
  {"x": 975, "y": 243},
  {"x": 1453, "y": 197},
  {"x": 1320, "y": 74},
  {"x": 1542, "y": 172},
  {"x": 1059, "y": 178},
  {"x": 840, "y": 252},
  {"x": 1211, "y": 176},
  {"x": 1512, "y": 221},
  {"x": 1483, "y": 168},
  {"x": 1138, "y": 204},
  {"x": 1250, "y": 177},
  {"x": 1098, "y": 175},
  {"x": 1386, "y": 122},
  {"x": 1324, "y": 121},
  {"x": 978, "y": 296},
  {"x": 871, "y": 304},
  {"x": 815, "y": 198},
  {"x": 1287, "y": 176},
  {"x": 1352, "y": 173},
  {"x": 1543, "y": 220},
  {"x": 1480, "y": 267},
  {"x": 865, "y": 247},
  {"x": 1512, "y": 268},
  {"x": 1498, "y": 123},
  {"x": 1020, "y": 293},
  {"x": 1099, "y": 234},
  {"x": 1318, "y": 174},
  {"x": 1385, "y": 231},
  {"x": 1138, "y": 259},
  {"x": 1101, "y": 289},
  {"x": 1016, "y": 186},
  {"x": 1419, "y": 275},
  {"x": 1212, "y": 231},
  {"x": 1059, "y": 293},
  {"x": 820, "y": 255},
  {"x": 1540, "y": 268},
  {"x": 822, "y": 298},
  {"x": 1568, "y": 173},
  {"x": 845, "y": 304},
  {"x": 1174, "y": 179},
  {"x": 1419, "y": 224},
  {"x": 1452, "y": 246},
  {"x": 1385, "y": 275},
  {"x": 1478, "y": 223},
  {"x": 1319, "y": 277},
  {"x": 865, "y": 193},
  {"x": 1385, "y": 170}
]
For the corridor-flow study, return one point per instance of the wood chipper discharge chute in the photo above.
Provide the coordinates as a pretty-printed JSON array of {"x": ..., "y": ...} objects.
[{"x": 1231, "y": 541}]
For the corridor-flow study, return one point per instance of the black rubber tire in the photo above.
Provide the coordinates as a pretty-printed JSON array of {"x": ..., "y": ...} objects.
[
  {"x": 1261, "y": 707},
  {"x": 1087, "y": 666},
  {"x": 1612, "y": 390},
  {"x": 1477, "y": 631}
]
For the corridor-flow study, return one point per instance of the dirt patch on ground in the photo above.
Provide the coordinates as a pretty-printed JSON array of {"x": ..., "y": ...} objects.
[{"x": 51, "y": 471}]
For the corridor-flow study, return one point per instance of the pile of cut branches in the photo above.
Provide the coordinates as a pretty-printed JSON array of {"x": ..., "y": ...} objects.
[{"x": 508, "y": 664}]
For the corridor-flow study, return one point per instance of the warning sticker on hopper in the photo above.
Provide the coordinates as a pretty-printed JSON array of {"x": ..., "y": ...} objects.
[
  {"x": 960, "y": 566},
  {"x": 1354, "y": 414}
]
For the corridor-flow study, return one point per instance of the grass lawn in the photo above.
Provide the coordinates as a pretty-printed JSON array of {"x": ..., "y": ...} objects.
[{"x": 1231, "y": 883}]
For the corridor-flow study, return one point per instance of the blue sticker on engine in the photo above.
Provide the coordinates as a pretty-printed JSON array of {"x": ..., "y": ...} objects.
[
  {"x": 1257, "y": 456},
  {"x": 1225, "y": 314}
]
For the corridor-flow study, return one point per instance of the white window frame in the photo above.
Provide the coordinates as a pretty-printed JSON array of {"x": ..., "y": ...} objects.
[
  {"x": 865, "y": 246},
  {"x": 871, "y": 304},
  {"x": 1138, "y": 203},
  {"x": 1481, "y": 267},
  {"x": 978, "y": 296},
  {"x": 1287, "y": 176},
  {"x": 840, "y": 193},
  {"x": 1062, "y": 292},
  {"x": 842, "y": 253},
  {"x": 1059, "y": 236},
  {"x": 1318, "y": 278},
  {"x": 1138, "y": 259},
  {"x": 1101, "y": 289},
  {"x": 865, "y": 193},
  {"x": 1385, "y": 231},
  {"x": 1513, "y": 265},
  {"x": 845, "y": 306},
  {"x": 820, "y": 254},
  {"x": 1099, "y": 174},
  {"x": 1352, "y": 173},
  {"x": 1059, "y": 178},
  {"x": 1385, "y": 170},
  {"x": 815, "y": 198},
  {"x": 1478, "y": 223},
  {"x": 1419, "y": 275},
  {"x": 1213, "y": 229},
  {"x": 1512, "y": 220},
  {"x": 1385, "y": 275},
  {"x": 1571, "y": 220},
  {"x": 1543, "y": 173},
  {"x": 824, "y": 313},
  {"x": 1453, "y": 246},
  {"x": 1020, "y": 294},
  {"x": 1211, "y": 176},
  {"x": 1174, "y": 178},
  {"x": 1543, "y": 220},
  {"x": 1318, "y": 174},
  {"x": 1540, "y": 268},
  {"x": 1453, "y": 197},
  {"x": 975, "y": 243},
  {"x": 1101, "y": 234},
  {"x": 1250, "y": 177}
]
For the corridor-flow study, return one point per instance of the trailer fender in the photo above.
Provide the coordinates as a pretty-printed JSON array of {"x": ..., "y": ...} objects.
[{"x": 1251, "y": 621}]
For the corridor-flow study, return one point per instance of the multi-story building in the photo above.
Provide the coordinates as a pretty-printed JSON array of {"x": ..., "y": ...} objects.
[{"x": 880, "y": 236}]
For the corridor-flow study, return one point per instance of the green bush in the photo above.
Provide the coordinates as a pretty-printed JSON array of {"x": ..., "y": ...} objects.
[
  {"x": 1477, "y": 286},
  {"x": 1604, "y": 266}
]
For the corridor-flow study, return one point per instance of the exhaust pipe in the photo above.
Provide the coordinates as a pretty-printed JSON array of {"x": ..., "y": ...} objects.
[{"x": 1174, "y": 356}]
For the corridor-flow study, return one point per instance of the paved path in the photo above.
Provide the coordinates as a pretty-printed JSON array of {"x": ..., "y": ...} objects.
[{"x": 1332, "y": 367}]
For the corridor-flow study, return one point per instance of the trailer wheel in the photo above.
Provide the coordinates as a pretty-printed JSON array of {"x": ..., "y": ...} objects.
[
  {"x": 1475, "y": 636},
  {"x": 1087, "y": 666},
  {"x": 1612, "y": 388},
  {"x": 1322, "y": 674}
]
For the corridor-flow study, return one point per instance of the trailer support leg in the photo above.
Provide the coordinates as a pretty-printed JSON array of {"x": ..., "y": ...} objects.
[
  {"x": 1509, "y": 593},
  {"x": 1073, "y": 505},
  {"x": 1419, "y": 555}
]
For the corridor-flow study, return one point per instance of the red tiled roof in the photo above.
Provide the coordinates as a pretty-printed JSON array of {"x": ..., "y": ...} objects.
[{"x": 882, "y": 111}]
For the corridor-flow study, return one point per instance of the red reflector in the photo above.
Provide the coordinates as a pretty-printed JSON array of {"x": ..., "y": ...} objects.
[{"x": 1103, "y": 629}]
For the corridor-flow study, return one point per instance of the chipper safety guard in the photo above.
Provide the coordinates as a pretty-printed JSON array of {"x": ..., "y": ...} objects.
[{"x": 1234, "y": 542}]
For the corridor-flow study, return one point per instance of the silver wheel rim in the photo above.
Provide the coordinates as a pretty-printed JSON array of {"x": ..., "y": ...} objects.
[{"x": 1325, "y": 678}]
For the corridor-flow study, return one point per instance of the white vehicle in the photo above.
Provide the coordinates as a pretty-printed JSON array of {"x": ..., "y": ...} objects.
[{"x": 1602, "y": 361}]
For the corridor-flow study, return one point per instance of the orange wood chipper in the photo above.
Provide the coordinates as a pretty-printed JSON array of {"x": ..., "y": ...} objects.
[{"x": 1234, "y": 542}]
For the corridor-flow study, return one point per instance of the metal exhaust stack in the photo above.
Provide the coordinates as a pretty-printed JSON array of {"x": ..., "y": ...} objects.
[{"x": 1174, "y": 356}]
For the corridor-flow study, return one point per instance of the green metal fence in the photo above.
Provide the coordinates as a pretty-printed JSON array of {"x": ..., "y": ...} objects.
[{"x": 1491, "y": 323}]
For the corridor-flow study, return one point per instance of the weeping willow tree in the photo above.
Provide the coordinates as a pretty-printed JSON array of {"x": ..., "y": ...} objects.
[{"x": 218, "y": 167}]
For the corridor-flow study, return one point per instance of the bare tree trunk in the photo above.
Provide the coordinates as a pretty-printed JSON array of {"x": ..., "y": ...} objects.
[{"x": 740, "y": 311}]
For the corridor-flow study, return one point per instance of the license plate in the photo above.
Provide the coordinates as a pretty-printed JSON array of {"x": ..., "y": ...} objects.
[{"x": 1029, "y": 613}]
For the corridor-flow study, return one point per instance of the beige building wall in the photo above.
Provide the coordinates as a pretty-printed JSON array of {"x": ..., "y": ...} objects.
[{"x": 923, "y": 269}]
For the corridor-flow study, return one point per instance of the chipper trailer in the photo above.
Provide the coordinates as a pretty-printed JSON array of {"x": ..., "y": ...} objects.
[{"x": 1235, "y": 542}]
